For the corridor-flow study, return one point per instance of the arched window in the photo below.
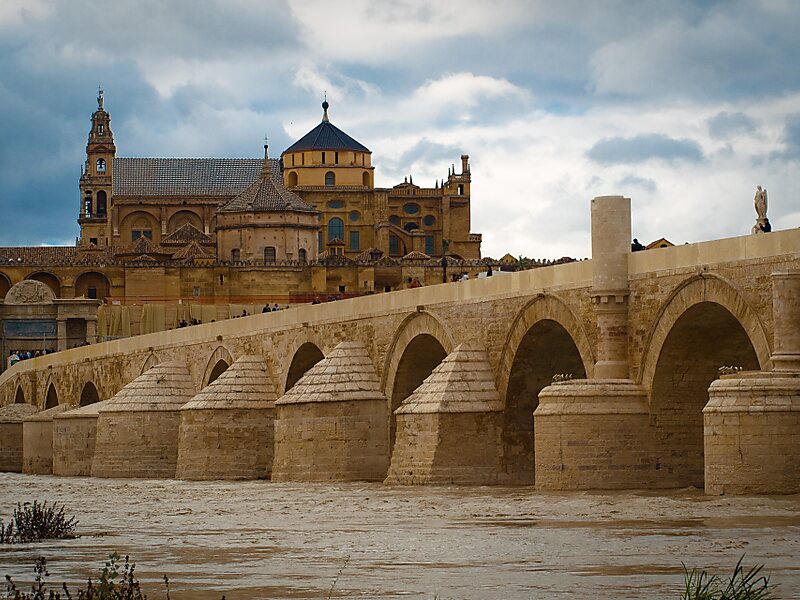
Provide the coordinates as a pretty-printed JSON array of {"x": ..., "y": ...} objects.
[
  {"x": 394, "y": 246},
  {"x": 411, "y": 226},
  {"x": 302, "y": 255},
  {"x": 101, "y": 130},
  {"x": 87, "y": 204},
  {"x": 365, "y": 179},
  {"x": 330, "y": 178},
  {"x": 460, "y": 189},
  {"x": 101, "y": 203},
  {"x": 335, "y": 229},
  {"x": 292, "y": 180},
  {"x": 269, "y": 254},
  {"x": 101, "y": 165},
  {"x": 141, "y": 228}
]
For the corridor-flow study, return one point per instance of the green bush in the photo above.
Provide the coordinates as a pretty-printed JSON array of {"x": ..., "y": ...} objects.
[
  {"x": 699, "y": 585},
  {"x": 36, "y": 522}
]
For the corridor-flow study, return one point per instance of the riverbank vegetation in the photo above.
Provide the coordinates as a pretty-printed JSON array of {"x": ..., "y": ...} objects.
[
  {"x": 750, "y": 585},
  {"x": 36, "y": 522}
]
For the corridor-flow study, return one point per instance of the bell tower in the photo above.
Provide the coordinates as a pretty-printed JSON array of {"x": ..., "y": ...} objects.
[{"x": 96, "y": 178}]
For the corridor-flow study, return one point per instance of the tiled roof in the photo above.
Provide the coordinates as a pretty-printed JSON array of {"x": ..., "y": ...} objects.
[
  {"x": 191, "y": 250},
  {"x": 51, "y": 255},
  {"x": 366, "y": 255},
  {"x": 416, "y": 255},
  {"x": 186, "y": 234},
  {"x": 186, "y": 176},
  {"x": 267, "y": 193},
  {"x": 326, "y": 136},
  {"x": 141, "y": 248}
]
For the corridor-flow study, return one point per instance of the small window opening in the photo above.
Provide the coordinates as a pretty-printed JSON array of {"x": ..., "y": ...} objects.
[
  {"x": 336, "y": 158},
  {"x": 323, "y": 158},
  {"x": 92, "y": 293},
  {"x": 101, "y": 165},
  {"x": 330, "y": 178},
  {"x": 269, "y": 254},
  {"x": 235, "y": 255}
]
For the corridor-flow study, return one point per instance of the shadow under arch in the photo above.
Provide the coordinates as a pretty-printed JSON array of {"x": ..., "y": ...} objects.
[
  {"x": 151, "y": 361},
  {"x": 705, "y": 324},
  {"x": 89, "y": 394},
  {"x": 219, "y": 362},
  {"x": 419, "y": 345},
  {"x": 5, "y": 285},
  {"x": 694, "y": 290},
  {"x": 19, "y": 396},
  {"x": 545, "y": 338},
  {"x": 305, "y": 357},
  {"x": 51, "y": 280},
  {"x": 51, "y": 398}
]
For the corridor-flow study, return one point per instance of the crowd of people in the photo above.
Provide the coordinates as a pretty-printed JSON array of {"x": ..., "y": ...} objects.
[{"x": 19, "y": 355}]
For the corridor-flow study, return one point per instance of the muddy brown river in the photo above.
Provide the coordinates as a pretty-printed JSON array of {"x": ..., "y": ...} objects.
[{"x": 268, "y": 540}]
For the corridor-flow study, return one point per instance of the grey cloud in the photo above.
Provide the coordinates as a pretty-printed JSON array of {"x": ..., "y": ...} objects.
[
  {"x": 644, "y": 147},
  {"x": 725, "y": 124},
  {"x": 640, "y": 182},
  {"x": 424, "y": 152},
  {"x": 791, "y": 141},
  {"x": 189, "y": 29}
]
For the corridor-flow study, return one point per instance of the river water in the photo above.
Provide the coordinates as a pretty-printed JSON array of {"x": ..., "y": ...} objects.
[{"x": 269, "y": 540}]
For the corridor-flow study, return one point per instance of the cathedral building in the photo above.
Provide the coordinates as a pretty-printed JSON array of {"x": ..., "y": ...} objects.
[
  {"x": 165, "y": 239},
  {"x": 327, "y": 173}
]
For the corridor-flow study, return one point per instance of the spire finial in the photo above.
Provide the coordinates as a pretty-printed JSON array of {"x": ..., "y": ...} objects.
[
  {"x": 266, "y": 170},
  {"x": 99, "y": 98},
  {"x": 325, "y": 106}
]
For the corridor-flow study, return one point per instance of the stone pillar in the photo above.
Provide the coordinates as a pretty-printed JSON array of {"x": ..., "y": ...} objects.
[
  {"x": 594, "y": 434},
  {"x": 611, "y": 235},
  {"x": 786, "y": 313},
  {"x": 62, "y": 334},
  {"x": 752, "y": 419},
  {"x": 91, "y": 330}
]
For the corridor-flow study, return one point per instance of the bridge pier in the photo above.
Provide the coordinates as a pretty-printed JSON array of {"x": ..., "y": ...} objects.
[
  {"x": 593, "y": 434},
  {"x": 11, "y": 417},
  {"x": 226, "y": 430},
  {"x": 752, "y": 419},
  {"x": 333, "y": 424},
  {"x": 449, "y": 429},
  {"x": 74, "y": 438},
  {"x": 37, "y": 441}
]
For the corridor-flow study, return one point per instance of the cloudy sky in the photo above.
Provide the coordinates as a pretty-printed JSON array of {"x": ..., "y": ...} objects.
[{"x": 683, "y": 106}]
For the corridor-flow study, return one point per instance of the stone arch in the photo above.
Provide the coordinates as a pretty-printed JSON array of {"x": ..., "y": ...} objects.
[
  {"x": 705, "y": 324},
  {"x": 545, "y": 307},
  {"x": 545, "y": 338},
  {"x": 19, "y": 395},
  {"x": 51, "y": 396},
  {"x": 92, "y": 284},
  {"x": 5, "y": 285},
  {"x": 291, "y": 180},
  {"x": 305, "y": 356},
  {"x": 89, "y": 394},
  {"x": 181, "y": 217},
  {"x": 51, "y": 280},
  {"x": 219, "y": 362},
  {"x": 702, "y": 288},
  {"x": 149, "y": 362},
  {"x": 144, "y": 223},
  {"x": 419, "y": 345}
]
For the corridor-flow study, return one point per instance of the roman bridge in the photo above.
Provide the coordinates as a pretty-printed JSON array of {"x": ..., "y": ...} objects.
[{"x": 592, "y": 374}]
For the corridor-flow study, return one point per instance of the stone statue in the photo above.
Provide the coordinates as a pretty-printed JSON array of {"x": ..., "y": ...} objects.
[{"x": 760, "y": 202}]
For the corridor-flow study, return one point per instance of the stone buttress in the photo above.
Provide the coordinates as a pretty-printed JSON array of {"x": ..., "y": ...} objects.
[
  {"x": 449, "y": 429},
  {"x": 751, "y": 424},
  {"x": 37, "y": 440},
  {"x": 137, "y": 431},
  {"x": 333, "y": 425},
  {"x": 593, "y": 433},
  {"x": 74, "y": 438},
  {"x": 11, "y": 417},
  {"x": 227, "y": 430}
]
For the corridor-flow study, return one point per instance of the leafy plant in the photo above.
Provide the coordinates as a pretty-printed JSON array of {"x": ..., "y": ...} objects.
[
  {"x": 699, "y": 585},
  {"x": 36, "y": 522}
]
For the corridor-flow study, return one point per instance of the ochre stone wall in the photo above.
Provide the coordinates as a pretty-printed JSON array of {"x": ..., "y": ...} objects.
[{"x": 665, "y": 284}]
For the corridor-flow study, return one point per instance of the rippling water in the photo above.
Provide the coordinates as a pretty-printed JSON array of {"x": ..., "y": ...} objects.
[{"x": 268, "y": 540}]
